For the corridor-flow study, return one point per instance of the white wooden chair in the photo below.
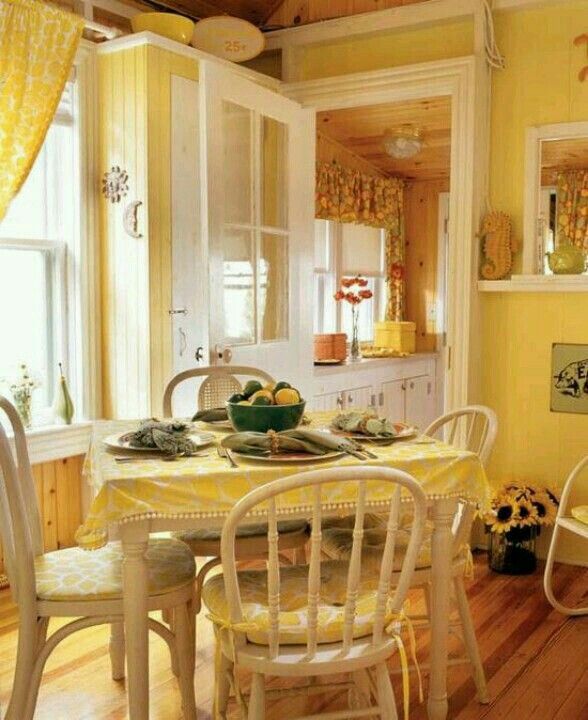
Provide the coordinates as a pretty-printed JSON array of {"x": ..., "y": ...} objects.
[
  {"x": 86, "y": 585},
  {"x": 220, "y": 382},
  {"x": 472, "y": 428},
  {"x": 565, "y": 520},
  {"x": 324, "y": 618}
]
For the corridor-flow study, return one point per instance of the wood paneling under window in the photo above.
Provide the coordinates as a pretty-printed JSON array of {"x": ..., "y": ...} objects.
[
  {"x": 58, "y": 485},
  {"x": 421, "y": 227}
]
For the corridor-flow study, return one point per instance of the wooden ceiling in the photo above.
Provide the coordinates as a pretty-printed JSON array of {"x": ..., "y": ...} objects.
[
  {"x": 567, "y": 154},
  {"x": 256, "y": 11},
  {"x": 361, "y": 131},
  {"x": 280, "y": 13}
]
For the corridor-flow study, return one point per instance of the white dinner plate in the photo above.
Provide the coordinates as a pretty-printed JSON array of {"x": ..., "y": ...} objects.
[
  {"x": 406, "y": 431},
  {"x": 290, "y": 457},
  {"x": 121, "y": 442}
]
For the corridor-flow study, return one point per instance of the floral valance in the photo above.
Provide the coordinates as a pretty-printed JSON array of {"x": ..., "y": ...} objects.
[
  {"x": 572, "y": 207},
  {"x": 349, "y": 196}
]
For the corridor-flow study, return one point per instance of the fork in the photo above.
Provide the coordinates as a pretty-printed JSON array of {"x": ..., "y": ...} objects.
[{"x": 226, "y": 455}]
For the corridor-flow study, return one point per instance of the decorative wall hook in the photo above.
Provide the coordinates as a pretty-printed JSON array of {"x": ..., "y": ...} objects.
[
  {"x": 115, "y": 184},
  {"x": 582, "y": 40},
  {"x": 130, "y": 220}
]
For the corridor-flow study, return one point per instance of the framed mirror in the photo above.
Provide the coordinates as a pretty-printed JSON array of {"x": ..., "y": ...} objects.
[{"x": 556, "y": 192}]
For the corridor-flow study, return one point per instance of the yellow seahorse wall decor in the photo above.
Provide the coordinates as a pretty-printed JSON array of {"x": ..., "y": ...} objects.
[{"x": 498, "y": 247}]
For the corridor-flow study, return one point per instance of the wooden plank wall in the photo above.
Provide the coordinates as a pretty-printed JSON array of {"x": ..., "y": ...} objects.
[
  {"x": 421, "y": 217},
  {"x": 58, "y": 485},
  {"x": 299, "y": 12}
]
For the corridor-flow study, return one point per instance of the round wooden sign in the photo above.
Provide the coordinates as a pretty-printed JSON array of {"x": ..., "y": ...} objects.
[{"x": 228, "y": 37}]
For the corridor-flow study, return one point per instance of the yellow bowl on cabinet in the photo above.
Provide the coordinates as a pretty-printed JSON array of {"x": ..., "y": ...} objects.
[{"x": 174, "y": 27}]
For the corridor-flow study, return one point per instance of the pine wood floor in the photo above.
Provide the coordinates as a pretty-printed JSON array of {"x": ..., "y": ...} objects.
[{"x": 536, "y": 662}]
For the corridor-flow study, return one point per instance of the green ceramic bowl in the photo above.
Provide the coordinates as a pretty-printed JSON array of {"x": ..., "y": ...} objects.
[{"x": 261, "y": 418}]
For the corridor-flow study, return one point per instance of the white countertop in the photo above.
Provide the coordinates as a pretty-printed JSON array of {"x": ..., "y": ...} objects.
[{"x": 369, "y": 363}]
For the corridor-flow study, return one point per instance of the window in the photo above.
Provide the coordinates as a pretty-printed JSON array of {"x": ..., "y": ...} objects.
[
  {"x": 36, "y": 242},
  {"x": 346, "y": 250}
]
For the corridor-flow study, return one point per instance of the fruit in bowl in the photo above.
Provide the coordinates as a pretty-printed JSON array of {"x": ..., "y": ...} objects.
[{"x": 273, "y": 407}]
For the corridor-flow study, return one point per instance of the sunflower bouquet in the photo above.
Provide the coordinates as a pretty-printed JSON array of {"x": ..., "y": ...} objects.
[{"x": 516, "y": 516}]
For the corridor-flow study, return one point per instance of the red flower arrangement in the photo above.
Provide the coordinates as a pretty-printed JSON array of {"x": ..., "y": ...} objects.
[{"x": 354, "y": 297}]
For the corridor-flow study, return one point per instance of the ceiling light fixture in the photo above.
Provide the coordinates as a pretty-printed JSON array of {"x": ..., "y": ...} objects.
[{"x": 403, "y": 143}]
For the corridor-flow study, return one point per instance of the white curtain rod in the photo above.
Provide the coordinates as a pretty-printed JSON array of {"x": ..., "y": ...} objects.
[{"x": 109, "y": 32}]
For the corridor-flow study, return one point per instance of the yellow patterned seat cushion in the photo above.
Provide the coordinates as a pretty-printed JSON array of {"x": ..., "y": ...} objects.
[
  {"x": 337, "y": 540},
  {"x": 580, "y": 513},
  {"x": 293, "y": 603},
  {"x": 78, "y": 575},
  {"x": 243, "y": 531}
]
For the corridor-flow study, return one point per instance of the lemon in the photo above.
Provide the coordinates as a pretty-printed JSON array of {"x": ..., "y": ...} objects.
[
  {"x": 270, "y": 386},
  {"x": 244, "y": 402},
  {"x": 287, "y": 396},
  {"x": 267, "y": 394}
]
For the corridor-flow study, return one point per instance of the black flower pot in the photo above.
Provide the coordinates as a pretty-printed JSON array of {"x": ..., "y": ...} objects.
[{"x": 513, "y": 552}]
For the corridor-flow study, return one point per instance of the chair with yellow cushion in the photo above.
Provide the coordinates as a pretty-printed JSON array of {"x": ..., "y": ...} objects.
[
  {"x": 320, "y": 619},
  {"x": 79, "y": 584},
  {"x": 219, "y": 383},
  {"x": 472, "y": 428},
  {"x": 573, "y": 520}
]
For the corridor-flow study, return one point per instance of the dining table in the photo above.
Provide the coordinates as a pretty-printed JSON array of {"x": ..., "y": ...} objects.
[{"x": 149, "y": 494}]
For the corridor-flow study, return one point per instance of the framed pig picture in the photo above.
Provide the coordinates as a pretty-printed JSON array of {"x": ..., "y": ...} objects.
[{"x": 569, "y": 378}]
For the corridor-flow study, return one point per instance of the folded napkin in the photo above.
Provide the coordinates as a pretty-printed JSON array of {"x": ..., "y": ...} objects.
[
  {"x": 313, "y": 442},
  {"x": 169, "y": 437},
  {"x": 364, "y": 423},
  {"x": 212, "y": 415}
]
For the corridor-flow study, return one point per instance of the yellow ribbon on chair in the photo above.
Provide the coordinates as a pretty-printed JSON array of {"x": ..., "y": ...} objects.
[{"x": 403, "y": 619}]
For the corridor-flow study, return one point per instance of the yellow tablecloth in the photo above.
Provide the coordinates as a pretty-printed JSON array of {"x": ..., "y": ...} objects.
[{"x": 206, "y": 487}]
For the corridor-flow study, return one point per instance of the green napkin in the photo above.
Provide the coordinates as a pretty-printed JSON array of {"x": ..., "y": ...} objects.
[
  {"x": 212, "y": 415},
  {"x": 313, "y": 442}
]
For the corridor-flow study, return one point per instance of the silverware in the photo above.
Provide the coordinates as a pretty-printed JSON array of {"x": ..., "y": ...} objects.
[
  {"x": 355, "y": 453},
  {"x": 367, "y": 452},
  {"x": 226, "y": 455},
  {"x": 164, "y": 458}
]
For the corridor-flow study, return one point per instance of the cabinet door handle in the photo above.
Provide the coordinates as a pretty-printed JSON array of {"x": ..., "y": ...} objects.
[
  {"x": 340, "y": 401},
  {"x": 381, "y": 399},
  {"x": 350, "y": 399},
  {"x": 403, "y": 386},
  {"x": 183, "y": 341},
  {"x": 412, "y": 386}
]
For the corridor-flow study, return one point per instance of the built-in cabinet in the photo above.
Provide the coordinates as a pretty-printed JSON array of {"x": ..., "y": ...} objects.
[{"x": 401, "y": 389}]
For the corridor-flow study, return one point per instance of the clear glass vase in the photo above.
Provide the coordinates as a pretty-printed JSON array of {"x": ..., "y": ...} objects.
[
  {"x": 23, "y": 402},
  {"x": 513, "y": 552},
  {"x": 355, "y": 353}
]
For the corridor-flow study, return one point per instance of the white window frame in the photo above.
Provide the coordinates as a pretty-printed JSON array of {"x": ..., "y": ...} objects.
[
  {"x": 76, "y": 269},
  {"x": 335, "y": 271}
]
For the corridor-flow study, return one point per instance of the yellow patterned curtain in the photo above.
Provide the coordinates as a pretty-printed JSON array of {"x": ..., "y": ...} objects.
[
  {"x": 572, "y": 208},
  {"x": 346, "y": 195},
  {"x": 37, "y": 47}
]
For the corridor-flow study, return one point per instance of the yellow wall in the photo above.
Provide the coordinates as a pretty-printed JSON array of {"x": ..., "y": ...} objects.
[
  {"x": 135, "y": 126},
  {"x": 538, "y": 86}
]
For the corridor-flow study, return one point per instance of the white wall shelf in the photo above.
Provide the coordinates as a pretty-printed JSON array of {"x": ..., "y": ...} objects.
[{"x": 536, "y": 283}]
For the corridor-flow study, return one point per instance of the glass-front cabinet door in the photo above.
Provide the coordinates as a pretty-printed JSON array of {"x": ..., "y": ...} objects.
[{"x": 259, "y": 223}]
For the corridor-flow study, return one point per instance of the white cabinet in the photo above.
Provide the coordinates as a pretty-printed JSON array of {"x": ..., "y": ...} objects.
[
  {"x": 402, "y": 389},
  {"x": 359, "y": 397},
  {"x": 391, "y": 401},
  {"x": 420, "y": 401}
]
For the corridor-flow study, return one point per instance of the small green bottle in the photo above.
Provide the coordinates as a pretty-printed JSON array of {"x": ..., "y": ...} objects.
[{"x": 63, "y": 407}]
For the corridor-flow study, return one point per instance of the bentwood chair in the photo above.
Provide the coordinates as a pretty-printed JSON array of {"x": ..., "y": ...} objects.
[
  {"x": 320, "y": 619},
  {"x": 218, "y": 384},
  {"x": 471, "y": 428},
  {"x": 574, "y": 520},
  {"x": 74, "y": 583}
]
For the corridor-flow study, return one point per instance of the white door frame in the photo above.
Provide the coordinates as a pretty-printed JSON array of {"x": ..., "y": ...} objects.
[{"x": 464, "y": 80}]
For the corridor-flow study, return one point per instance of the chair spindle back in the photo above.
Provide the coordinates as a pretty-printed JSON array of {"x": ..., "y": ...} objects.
[
  {"x": 20, "y": 527},
  {"x": 472, "y": 428},
  {"x": 386, "y": 603}
]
